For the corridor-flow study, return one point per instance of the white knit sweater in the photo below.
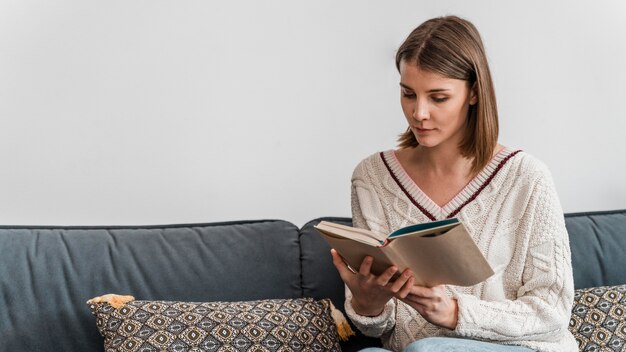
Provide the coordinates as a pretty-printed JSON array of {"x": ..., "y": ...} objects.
[{"x": 512, "y": 212}]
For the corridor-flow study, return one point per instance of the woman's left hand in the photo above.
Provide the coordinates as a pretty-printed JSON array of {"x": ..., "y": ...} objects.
[{"x": 433, "y": 304}]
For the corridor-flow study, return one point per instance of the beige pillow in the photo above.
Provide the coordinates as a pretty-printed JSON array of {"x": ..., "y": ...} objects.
[
  {"x": 598, "y": 319},
  {"x": 265, "y": 325}
]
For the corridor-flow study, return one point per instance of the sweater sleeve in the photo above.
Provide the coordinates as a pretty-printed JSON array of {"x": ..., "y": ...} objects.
[
  {"x": 542, "y": 308},
  {"x": 367, "y": 213}
]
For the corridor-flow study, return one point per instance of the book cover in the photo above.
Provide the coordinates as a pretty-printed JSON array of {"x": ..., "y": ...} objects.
[{"x": 439, "y": 252}]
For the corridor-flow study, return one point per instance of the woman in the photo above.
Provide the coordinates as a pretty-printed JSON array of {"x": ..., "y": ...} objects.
[{"x": 449, "y": 164}]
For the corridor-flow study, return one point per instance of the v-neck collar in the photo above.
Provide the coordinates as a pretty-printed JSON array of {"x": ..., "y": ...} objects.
[{"x": 426, "y": 205}]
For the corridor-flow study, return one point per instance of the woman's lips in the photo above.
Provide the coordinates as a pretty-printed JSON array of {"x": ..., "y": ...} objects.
[{"x": 424, "y": 130}]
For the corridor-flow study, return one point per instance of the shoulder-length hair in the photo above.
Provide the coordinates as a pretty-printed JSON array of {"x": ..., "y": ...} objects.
[{"x": 452, "y": 47}]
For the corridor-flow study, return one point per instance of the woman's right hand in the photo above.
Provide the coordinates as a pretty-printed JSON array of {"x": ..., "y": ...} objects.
[{"x": 370, "y": 293}]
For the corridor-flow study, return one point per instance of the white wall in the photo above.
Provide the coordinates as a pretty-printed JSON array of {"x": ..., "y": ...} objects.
[{"x": 155, "y": 112}]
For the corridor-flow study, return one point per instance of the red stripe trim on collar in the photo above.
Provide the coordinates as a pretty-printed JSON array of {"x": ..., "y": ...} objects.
[
  {"x": 419, "y": 206},
  {"x": 457, "y": 210},
  {"x": 485, "y": 184}
]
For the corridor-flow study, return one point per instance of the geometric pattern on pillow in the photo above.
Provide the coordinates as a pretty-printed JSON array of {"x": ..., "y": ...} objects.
[
  {"x": 301, "y": 324},
  {"x": 598, "y": 320}
]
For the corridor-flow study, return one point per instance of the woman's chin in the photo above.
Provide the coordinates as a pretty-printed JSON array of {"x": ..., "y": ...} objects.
[{"x": 427, "y": 142}]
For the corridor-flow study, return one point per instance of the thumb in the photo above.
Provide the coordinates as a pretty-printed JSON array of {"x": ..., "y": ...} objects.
[{"x": 341, "y": 266}]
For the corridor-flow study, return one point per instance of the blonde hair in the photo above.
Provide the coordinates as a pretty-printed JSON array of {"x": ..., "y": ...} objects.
[{"x": 452, "y": 47}]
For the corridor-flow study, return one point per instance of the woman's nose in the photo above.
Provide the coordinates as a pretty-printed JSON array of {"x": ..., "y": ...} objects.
[{"x": 420, "y": 112}]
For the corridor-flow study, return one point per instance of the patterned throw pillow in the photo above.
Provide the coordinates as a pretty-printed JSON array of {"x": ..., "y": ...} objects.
[
  {"x": 599, "y": 318},
  {"x": 266, "y": 325}
]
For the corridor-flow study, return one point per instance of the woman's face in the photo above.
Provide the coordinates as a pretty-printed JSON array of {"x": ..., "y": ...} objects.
[{"x": 435, "y": 107}]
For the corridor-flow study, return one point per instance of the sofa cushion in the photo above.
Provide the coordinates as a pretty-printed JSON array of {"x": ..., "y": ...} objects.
[
  {"x": 597, "y": 241},
  {"x": 598, "y": 319},
  {"x": 300, "y": 324},
  {"x": 47, "y": 273},
  {"x": 320, "y": 279}
]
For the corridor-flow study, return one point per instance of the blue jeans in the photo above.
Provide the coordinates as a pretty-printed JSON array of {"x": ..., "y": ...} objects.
[{"x": 452, "y": 344}]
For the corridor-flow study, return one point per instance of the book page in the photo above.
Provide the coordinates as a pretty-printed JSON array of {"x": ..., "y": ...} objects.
[
  {"x": 449, "y": 258},
  {"x": 430, "y": 227},
  {"x": 338, "y": 230}
]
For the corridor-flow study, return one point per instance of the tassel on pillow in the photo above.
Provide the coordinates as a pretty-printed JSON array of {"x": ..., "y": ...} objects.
[
  {"x": 343, "y": 327},
  {"x": 115, "y": 301}
]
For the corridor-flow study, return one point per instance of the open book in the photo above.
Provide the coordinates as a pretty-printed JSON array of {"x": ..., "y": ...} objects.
[{"x": 439, "y": 252}]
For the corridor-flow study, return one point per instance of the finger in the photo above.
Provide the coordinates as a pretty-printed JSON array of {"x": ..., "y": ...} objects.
[
  {"x": 386, "y": 276},
  {"x": 406, "y": 289},
  {"x": 420, "y": 308},
  {"x": 366, "y": 266},
  {"x": 341, "y": 266},
  {"x": 413, "y": 303},
  {"x": 401, "y": 281},
  {"x": 423, "y": 291},
  {"x": 422, "y": 301}
]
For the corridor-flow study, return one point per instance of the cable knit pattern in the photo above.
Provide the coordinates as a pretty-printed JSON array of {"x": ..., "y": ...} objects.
[{"x": 512, "y": 212}]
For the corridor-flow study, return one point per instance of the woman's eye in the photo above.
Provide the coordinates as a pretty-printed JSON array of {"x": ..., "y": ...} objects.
[
  {"x": 440, "y": 100},
  {"x": 408, "y": 94}
]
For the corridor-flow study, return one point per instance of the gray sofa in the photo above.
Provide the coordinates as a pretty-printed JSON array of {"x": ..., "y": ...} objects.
[{"x": 48, "y": 272}]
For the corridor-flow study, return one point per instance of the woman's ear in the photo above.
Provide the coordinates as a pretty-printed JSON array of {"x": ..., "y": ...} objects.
[{"x": 474, "y": 94}]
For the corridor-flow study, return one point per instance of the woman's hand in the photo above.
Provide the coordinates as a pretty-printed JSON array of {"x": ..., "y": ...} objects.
[
  {"x": 370, "y": 293},
  {"x": 433, "y": 304}
]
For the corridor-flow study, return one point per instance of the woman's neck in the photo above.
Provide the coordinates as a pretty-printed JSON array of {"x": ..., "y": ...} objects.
[{"x": 440, "y": 161}]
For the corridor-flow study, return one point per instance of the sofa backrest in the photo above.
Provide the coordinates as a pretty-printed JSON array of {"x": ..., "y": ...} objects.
[
  {"x": 48, "y": 273},
  {"x": 598, "y": 244}
]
